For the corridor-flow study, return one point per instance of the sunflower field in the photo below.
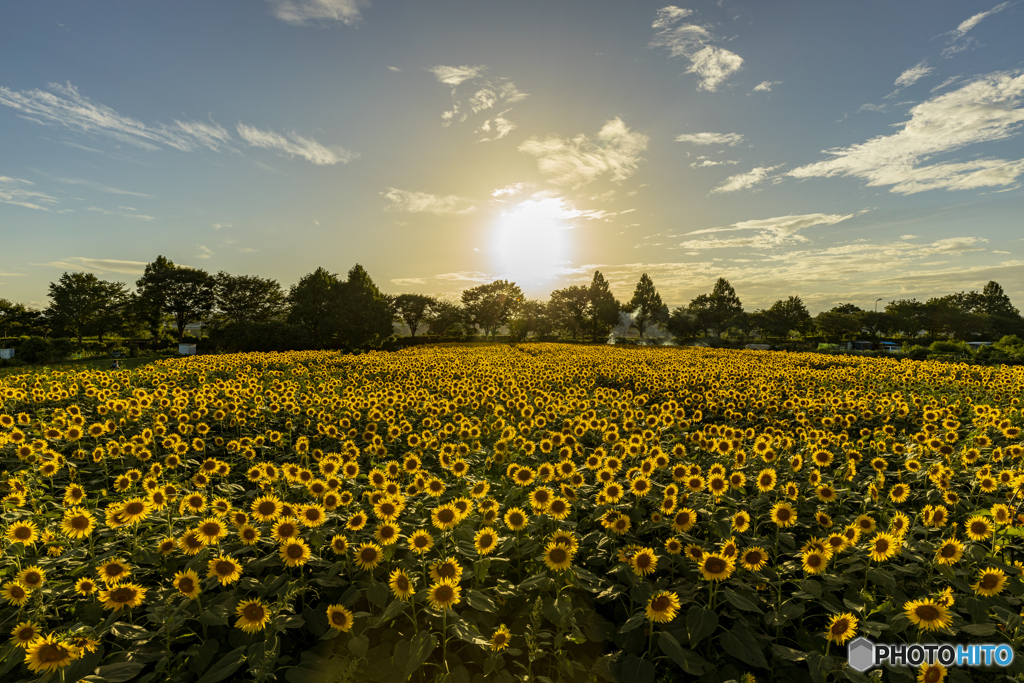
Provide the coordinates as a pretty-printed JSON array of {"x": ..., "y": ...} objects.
[{"x": 539, "y": 512}]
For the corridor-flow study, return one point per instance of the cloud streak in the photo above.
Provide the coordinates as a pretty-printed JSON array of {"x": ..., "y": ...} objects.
[
  {"x": 423, "y": 202},
  {"x": 18, "y": 192},
  {"x": 100, "y": 265},
  {"x": 959, "y": 40},
  {"x": 487, "y": 93},
  {"x": 712, "y": 64},
  {"x": 743, "y": 181},
  {"x": 576, "y": 161},
  {"x": 985, "y": 110},
  {"x": 771, "y": 232},
  {"x": 306, "y": 12},
  {"x": 731, "y": 139},
  {"x": 295, "y": 145}
]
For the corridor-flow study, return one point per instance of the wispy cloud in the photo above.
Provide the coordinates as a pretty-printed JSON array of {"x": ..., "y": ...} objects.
[
  {"x": 731, "y": 139},
  {"x": 983, "y": 111},
  {"x": 958, "y": 38},
  {"x": 204, "y": 252},
  {"x": 304, "y": 12},
  {"x": 743, "y": 181},
  {"x": 771, "y": 232},
  {"x": 913, "y": 74},
  {"x": 710, "y": 63},
  {"x": 577, "y": 161},
  {"x": 98, "y": 187},
  {"x": 508, "y": 190},
  {"x": 709, "y": 163},
  {"x": 766, "y": 86},
  {"x": 17, "y": 191},
  {"x": 485, "y": 93},
  {"x": 218, "y": 226},
  {"x": 423, "y": 202},
  {"x": 100, "y": 265},
  {"x": 295, "y": 145},
  {"x": 132, "y": 213}
]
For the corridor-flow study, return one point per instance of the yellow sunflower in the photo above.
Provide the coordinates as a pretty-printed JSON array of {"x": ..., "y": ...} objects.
[
  {"x": 294, "y": 553},
  {"x": 47, "y": 654},
  {"x": 990, "y": 582},
  {"x": 446, "y": 570},
  {"x": 714, "y": 567},
  {"x": 501, "y": 638},
  {"x": 444, "y": 594},
  {"x": 949, "y": 552},
  {"x": 224, "y": 569},
  {"x": 557, "y": 557},
  {"x": 368, "y": 555},
  {"x": 15, "y": 593},
  {"x": 421, "y": 542},
  {"x": 662, "y": 607},
  {"x": 187, "y": 583},
  {"x": 841, "y": 628},
  {"x": 253, "y": 616},
  {"x": 24, "y": 633},
  {"x": 22, "y": 532},
  {"x": 783, "y": 515},
  {"x": 340, "y": 618},
  {"x": 516, "y": 519},
  {"x": 401, "y": 584},
  {"x": 123, "y": 595},
  {"x": 978, "y": 528},
  {"x": 486, "y": 541},
  {"x": 85, "y": 587},
  {"x": 113, "y": 571},
  {"x": 643, "y": 562},
  {"x": 927, "y": 614}
]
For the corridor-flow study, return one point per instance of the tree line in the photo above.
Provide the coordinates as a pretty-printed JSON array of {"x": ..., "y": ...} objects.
[{"x": 325, "y": 311}]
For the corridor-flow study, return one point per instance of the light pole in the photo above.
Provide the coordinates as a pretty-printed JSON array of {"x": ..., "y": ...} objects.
[{"x": 876, "y": 303}]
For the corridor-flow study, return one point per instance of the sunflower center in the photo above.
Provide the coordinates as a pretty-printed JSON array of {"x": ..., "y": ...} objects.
[
  {"x": 253, "y": 613},
  {"x": 989, "y": 581},
  {"x": 783, "y": 514},
  {"x": 23, "y": 533},
  {"x": 446, "y": 571},
  {"x": 643, "y": 561},
  {"x": 295, "y": 551},
  {"x": 715, "y": 565},
  {"x": 444, "y": 593},
  {"x": 927, "y": 613},
  {"x": 52, "y": 653},
  {"x": 402, "y": 583},
  {"x": 186, "y": 584},
  {"x": 445, "y": 516},
  {"x": 979, "y": 528},
  {"x": 211, "y": 529},
  {"x": 486, "y": 540},
  {"x": 814, "y": 561},
  {"x": 32, "y": 578},
  {"x": 368, "y": 555},
  {"x": 558, "y": 555},
  {"x": 840, "y": 627},
  {"x": 266, "y": 508},
  {"x": 881, "y": 545},
  {"x": 661, "y": 604},
  {"x": 339, "y": 618},
  {"x": 123, "y": 594}
]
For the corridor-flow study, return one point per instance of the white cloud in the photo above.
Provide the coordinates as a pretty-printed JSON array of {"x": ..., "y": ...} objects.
[
  {"x": 712, "y": 64},
  {"x": 508, "y": 190},
  {"x": 496, "y": 128},
  {"x": 908, "y": 237},
  {"x": 766, "y": 86},
  {"x": 295, "y": 145},
  {"x": 394, "y": 68},
  {"x": 577, "y": 161},
  {"x": 204, "y": 252},
  {"x": 423, "y": 202},
  {"x": 16, "y": 191},
  {"x": 456, "y": 75},
  {"x": 959, "y": 40},
  {"x": 731, "y": 139},
  {"x": 98, "y": 187},
  {"x": 218, "y": 226},
  {"x": 488, "y": 93},
  {"x": 100, "y": 265},
  {"x": 108, "y": 212},
  {"x": 913, "y": 75},
  {"x": 302, "y": 12},
  {"x": 985, "y": 110},
  {"x": 708, "y": 163},
  {"x": 772, "y": 232},
  {"x": 742, "y": 181},
  {"x": 65, "y": 106},
  {"x": 248, "y": 250}
]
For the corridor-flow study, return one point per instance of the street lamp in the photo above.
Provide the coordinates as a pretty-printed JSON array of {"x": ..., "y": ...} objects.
[{"x": 876, "y": 303}]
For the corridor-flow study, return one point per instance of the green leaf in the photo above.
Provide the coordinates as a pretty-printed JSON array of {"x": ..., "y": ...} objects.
[
  {"x": 820, "y": 666},
  {"x": 358, "y": 646},
  {"x": 700, "y": 623},
  {"x": 129, "y": 631},
  {"x": 636, "y": 670},
  {"x": 882, "y": 578},
  {"x": 979, "y": 629},
  {"x": 420, "y": 649},
  {"x": 224, "y": 666},
  {"x": 120, "y": 672},
  {"x": 633, "y": 622},
  {"x": 198, "y": 663},
  {"x": 691, "y": 662},
  {"x": 479, "y": 601},
  {"x": 533, "y": 582},
  {"x": 740, "y": 602},
  {"x": 789, "y": 653},
  {"x": 377, "y": 594},
  {"x": 393, "y": 610},
  {"x": 741, "y": 644},
  {"x": 811, "y": 587}
]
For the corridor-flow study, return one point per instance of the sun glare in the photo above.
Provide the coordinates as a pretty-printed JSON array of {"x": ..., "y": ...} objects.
[{"x": 531, "y": 241}]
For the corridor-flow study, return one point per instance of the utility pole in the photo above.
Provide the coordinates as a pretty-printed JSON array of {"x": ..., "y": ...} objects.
[{"x": 876, "y": 303}]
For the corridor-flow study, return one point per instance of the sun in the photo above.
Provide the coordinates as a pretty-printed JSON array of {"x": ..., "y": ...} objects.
[{"x": 531, "y": 241}]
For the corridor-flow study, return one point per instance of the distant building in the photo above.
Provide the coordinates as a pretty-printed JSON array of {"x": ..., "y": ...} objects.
[
  {"x": 186, "y": 349},
  {"x": 6, "y": 353},
  {"x": 889, "y": 347},
  {"x": 977, "y": 345},
  {"x": 861, "y": 346}
]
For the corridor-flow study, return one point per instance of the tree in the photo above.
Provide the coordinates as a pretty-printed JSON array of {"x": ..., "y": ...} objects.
[
  {"x": 412, "y": 310},
  {"x": 906, "y": 316},
  {"x": 189, "y": 296},
  {"x": 492, "y": 305},
  {"x": 838, "y": 324},
  {"x": 532, "y": 316},
  {"x": 603, "y": 309},
  {"x": 362, "y": 316},
  {"x": 76, "y": 300},
  {"x": 646, "y": 305},
  {"x": 874, "y": 322},
  {"x": 151, "y": 295},
  {"x": 116, "y": 314},
  {"x": 446, "y": 319},
  {"x": 784, "y": 316},
  {"x": 248, "y": 298},
  {"x": 311, "y": 301},
  {"x": 712, "y": 311},
  {"x": 682, "y": 324},
  {"x": 16, "y": 318},
  {"x": 568, "y": 309},
  {"x": 996, "y": 302}
]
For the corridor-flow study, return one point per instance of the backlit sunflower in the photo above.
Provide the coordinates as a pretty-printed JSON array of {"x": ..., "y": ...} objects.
[
  {"x": 683, "y": 520},
  {"x": 814, "y": 561},
  {"x": 643, "y": 562},
  {"x": 47, "y": 654},
  {"x": 253, "y": 616},
  {"x": 927, "y": 614},
  {"x": 32, "y": 577},
  {"x": 766, "y": 480},
  {"x": 266, "y": 509},
  {"x": 225, "y": 569},
  {"x": 24, "y": 633},
  {"x": 516, "y": 519},
  {"x": 931, "y": 673},
  {"x": 356, "y": 522},
  {"x": 444, "y": 517},
  {"x": 444, "y": 594},
  {"x": 662, "y": 607},
  {"x": 85, "y": 586},
  {"x": 559, "y": 508},
  {"x": 899, "y": 493},
  {"x": 500, "y": 639},
  {"x": 339, "y": 618},
  {"x": 990, "y": 582},
  {"x": 211, "y": 530},
  {"x": 486, "y": 541},
  {"x": 783, "y": 515},
  {"x": 841, "y": 628},
  {"x": 190, "y": 542},
  {"x": 714, "y": 567},
  {"x": 294, "y": 552},
  {"x": 134, "y": 510},
  {"x": 740, "y": 522},
  {"x": 673, "y": 546},
  {"x": 368, "y": 555},
  {"x": 446, "y": 570},
  {"x": 15, "y": 593},
  {"x": 77, "y": 523},
  {"x": 883, "y": 546},
  {"x": 123, "y": 595},
  {"x": 401, "y": 585},
  {"x": 22, "y": 532},
  {"x": 754, "y": 559},
  {"x": 978, "y": 528},
  {"x": 187, "y": 583},
  {"x": 557, "y": 557},
  {"x": 949, "y": 552},
  {"x": 249, "y": 535},
  {"x": 421, "y": 542}
]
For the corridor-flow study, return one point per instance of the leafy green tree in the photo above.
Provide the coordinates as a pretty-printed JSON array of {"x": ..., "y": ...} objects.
[
  {"x": 117, "y": 314},
  {"x": 838, "y": 325},
  {"x": 569, "y": 309},
  {"x": 603, "y": 311},
  {"x": 310, "y": 304},
  {"x": 996, "y": 302},
  {"x": 248, "y": 298},
  {"x": 712, "y": 311},
  {"x": 906, "y": 316},
  {"x": 875, "y": 323},
  {"x": 189, "y": 296},
  {"x": 151, "y": 295},
  {"x": 682, "y": 324},
  {"x": 785, "y": 316},
  {"x": 16, "y": 319},
  {"x": 76, "y": 300},
  {"x": 412, "y": 310},
  {"x": 646, "y": 305},
  {"x": 362, "y": 316},
  {"x": 531, "y": 317},
  {"x": 446, "y": 319},
  {"x": 492, "y": 305}
]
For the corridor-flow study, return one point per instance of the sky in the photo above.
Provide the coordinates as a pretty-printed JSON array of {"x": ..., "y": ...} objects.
[{"x": 839, "y": 151}]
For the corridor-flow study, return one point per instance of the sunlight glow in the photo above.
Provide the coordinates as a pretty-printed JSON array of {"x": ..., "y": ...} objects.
[{"x": 531, "y": 241}]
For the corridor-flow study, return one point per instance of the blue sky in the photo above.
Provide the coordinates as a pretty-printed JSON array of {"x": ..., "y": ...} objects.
[{"x": 839, "y": 151}]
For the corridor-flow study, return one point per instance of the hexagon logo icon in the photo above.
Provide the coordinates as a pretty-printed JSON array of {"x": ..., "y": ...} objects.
[{"x": 860, "y": 654}]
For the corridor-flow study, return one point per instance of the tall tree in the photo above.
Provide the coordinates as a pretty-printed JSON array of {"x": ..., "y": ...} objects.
[
  {"x": 151, "y": 295},
  {"x": 568, "y": 309},
  {"x": 713, "y": 311},
  {"x": 76, "y": 300},
  {"x": 785, "y": 316},
  {"x": 362, "y": 315},
  {"x": 446, "y": 319},
  {"x": 532, "y": 316},
  {"x": 311, "y": 303},
  {"x": 996, "y": 302},
  {"x": 906, "y": 316},
  {"x": 603, "y": 310},
  {"x": 189, "y": 296},
  {"x": 646, "y": 305},
  {"x": 839, "y": 323},
  {"x": 117, "y": 314},
  {"x": 492, "y": 305},
  {"x": 412, "y": 310},
  {"x": 248, "y": 298}
]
